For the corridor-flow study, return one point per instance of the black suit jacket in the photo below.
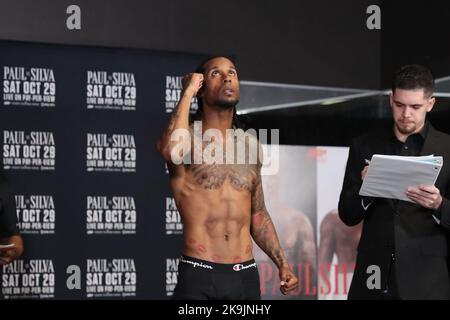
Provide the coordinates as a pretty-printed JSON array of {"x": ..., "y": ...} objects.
[{"x": 400, "y": 227}]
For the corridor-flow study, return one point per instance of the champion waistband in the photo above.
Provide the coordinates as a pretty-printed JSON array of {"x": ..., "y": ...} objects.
[{"x": 207, "y": 265}]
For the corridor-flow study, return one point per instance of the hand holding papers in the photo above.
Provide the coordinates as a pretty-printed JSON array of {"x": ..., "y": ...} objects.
[{"x": 390, "y": 176}]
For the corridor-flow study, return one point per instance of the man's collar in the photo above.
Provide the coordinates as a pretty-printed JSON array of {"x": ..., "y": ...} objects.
[{"x": 424, "y": 131}]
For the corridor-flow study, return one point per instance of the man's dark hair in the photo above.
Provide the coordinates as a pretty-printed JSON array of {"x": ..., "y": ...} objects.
[
  {"x": 414, "y": 77},
  {"x": 201, "y": 68}
]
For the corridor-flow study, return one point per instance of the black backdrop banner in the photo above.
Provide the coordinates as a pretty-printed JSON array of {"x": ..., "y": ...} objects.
[{"x": 78, "y": 129}]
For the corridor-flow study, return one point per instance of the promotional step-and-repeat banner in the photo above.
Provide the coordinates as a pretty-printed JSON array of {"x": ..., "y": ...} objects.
[{"x": 78, "y": 127}]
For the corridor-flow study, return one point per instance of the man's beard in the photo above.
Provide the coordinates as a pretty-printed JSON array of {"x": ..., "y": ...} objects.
[
  {"x": 226, "y": 104},
  {"x": 406, "y": 130}
]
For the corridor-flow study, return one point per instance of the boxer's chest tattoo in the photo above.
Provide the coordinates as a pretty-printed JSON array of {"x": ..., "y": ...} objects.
[{"x": 241, "y": 177}]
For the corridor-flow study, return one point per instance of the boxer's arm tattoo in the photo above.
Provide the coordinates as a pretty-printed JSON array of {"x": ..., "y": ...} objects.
[
  {"x": 182, "y": 107},
  {"x": 173, "y": 119},
  {"x": 178, "y": 120},
  {"x": 262, "y": 228}
]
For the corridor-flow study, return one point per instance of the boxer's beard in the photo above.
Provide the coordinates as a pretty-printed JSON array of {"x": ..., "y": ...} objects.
[{"x": 226, "y": 104}]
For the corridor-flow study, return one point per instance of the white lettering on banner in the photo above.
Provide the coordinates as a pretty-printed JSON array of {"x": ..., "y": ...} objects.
[
  {"x": 111, "y": 278},
  {"x": 33, "y": 278},
  {"x": 113, "y": 91},
  {"x": 34, "y": 150},
  {"x": 112, "y": 153},
  {"x": 36, "y": 214},
  {"x": 173, "y": 218},
  {"x": 171, "y": 275},
  {"x": 111, "y": 215},
  {"x": 33, "y": 86}
]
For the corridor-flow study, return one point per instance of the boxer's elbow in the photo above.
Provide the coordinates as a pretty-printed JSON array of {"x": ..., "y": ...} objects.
[
  {"x": 173, "y": 152},
  {"x": 163, "y": 149}
]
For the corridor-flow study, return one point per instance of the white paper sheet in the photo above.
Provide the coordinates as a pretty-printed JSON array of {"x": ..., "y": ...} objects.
[{"x": 390, "y": 176}]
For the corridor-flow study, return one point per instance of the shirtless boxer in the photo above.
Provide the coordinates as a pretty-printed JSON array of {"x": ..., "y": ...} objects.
[{"x": 221, "y": 205}]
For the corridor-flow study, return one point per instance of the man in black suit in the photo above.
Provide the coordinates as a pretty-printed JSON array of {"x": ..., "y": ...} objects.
[{"x": 405, "y": 240}]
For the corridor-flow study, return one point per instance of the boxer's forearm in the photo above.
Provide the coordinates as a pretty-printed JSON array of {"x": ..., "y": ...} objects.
[
  {"x": 266, "y": 238},
  {"x": 262, "y": 228},
  {"x": 178, "y": 120}
]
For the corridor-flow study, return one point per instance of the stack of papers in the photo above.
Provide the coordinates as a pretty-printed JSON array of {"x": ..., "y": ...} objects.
[{"x": 390, "y": 176}]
